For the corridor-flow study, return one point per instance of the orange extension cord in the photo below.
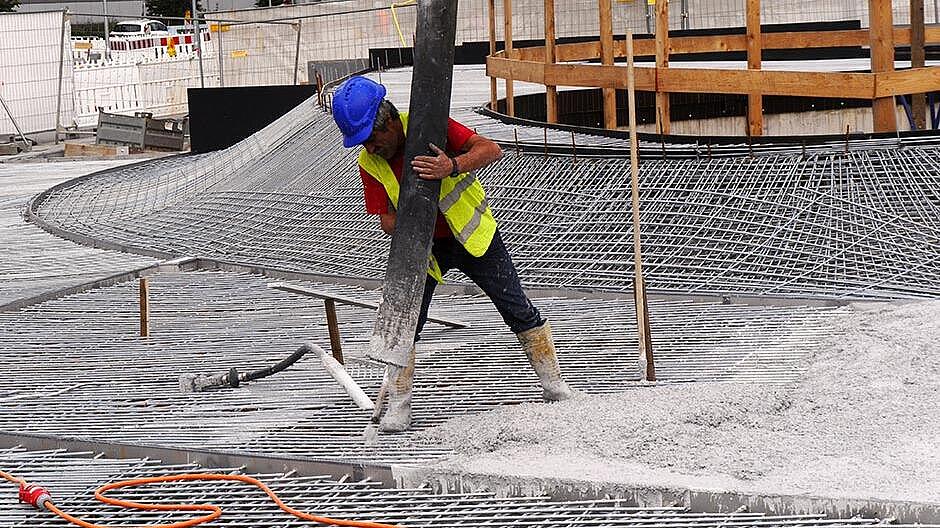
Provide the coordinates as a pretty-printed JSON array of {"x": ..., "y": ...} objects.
[{"x": 216, "y": 512}]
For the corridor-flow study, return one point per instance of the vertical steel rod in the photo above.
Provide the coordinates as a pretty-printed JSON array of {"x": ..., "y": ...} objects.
[
  {"x": 298, "y": 27},
  {"x": 58, "y": 101},
  {"x": 221, "y": 53},
  {"x": 107, "y": 44},
  {"x": 197, "y": 39}
]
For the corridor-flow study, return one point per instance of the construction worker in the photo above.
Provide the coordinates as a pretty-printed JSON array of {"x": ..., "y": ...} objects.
[{"x": 465, "y": 235}]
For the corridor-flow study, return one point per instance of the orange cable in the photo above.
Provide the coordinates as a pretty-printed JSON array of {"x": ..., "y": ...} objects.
[{"x": 216, "y": 512}]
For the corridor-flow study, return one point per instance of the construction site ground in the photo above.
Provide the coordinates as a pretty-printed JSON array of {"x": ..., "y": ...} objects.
[{"x": 774, "y": 405}]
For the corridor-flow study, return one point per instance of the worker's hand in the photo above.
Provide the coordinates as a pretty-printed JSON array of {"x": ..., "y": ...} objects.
[{"x": 433, "y": 167}]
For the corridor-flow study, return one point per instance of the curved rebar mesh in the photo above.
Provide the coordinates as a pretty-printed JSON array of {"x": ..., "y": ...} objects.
[{"x": 854, "y": 223}]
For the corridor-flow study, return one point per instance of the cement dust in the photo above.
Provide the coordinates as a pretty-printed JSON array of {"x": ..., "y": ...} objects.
[{"x": 864, "y": 422}]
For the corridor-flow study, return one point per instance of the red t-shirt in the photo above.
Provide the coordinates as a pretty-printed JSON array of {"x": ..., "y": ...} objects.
[{"x": 377, "y": 200}]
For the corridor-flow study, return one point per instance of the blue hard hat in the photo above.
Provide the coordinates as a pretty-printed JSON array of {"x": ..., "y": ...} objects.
[{"x": 355, "y": 103}]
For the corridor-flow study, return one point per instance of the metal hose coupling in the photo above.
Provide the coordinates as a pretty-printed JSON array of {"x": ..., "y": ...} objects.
[
  {"x": 35, "y": 495},
  {"x": 232, "y": 378}
]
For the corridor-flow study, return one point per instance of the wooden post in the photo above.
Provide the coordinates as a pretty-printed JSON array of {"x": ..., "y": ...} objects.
[
  {"x": 647, "y": 368},
  {"x": 507, "y": 39},
  {"x": 144, "y": 308},
  {"x": 662, "y": 61},
  {"x": 551, "y": 92},
  {"x": 607, "y": 58},
  {"x": 333, "y": 326},
  {"x": 881, "y": 36},
  {"x": 755, "y": 101},
  {"x": 492, "y": 5},
  {"x": 918, "y": 100}
]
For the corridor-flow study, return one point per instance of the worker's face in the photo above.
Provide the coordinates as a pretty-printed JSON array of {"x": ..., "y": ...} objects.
[{"x": 385, "y": 142}]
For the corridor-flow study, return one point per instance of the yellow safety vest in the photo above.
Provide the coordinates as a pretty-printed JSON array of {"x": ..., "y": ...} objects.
[{"x": 462, "y": 202}]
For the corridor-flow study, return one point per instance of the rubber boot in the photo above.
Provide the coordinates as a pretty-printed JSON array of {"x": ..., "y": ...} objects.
[
  {"x": 398, "y": 414},
  {"x": 539, "y": 348}
]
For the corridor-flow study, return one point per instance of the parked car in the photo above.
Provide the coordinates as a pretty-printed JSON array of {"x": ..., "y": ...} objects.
[{"x": 134, "y": 28}]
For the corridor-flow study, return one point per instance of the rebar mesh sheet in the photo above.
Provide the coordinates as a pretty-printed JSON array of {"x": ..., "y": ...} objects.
[
  {"x": 73, "y": 477},
  {"x": 859, "y": 221},
  {"x": 32, "y": 261},
  {"x": 79, "y": 360}
]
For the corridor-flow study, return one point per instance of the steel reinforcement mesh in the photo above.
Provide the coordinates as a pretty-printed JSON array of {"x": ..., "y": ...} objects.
[
  {"x": 855, "y": 223},
  {"x": 81, "y": 361},
  {"x": 72, "y": 478}
]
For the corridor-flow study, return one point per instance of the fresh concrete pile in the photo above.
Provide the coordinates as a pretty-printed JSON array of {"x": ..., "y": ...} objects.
[{"x": 862, "y": 423}]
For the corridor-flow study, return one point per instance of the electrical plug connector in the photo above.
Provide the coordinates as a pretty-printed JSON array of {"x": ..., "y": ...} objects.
[{"x": 34, "y": 495}]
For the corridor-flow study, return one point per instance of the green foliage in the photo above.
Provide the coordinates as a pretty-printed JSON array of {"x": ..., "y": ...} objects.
[
  {"x": 169, "y": 8},
  {"x": 7, "y": 6},
  {"x": 87, "y": 29}
]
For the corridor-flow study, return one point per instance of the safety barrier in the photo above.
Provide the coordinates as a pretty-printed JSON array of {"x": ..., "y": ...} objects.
[{"x": 157, "y": 86}]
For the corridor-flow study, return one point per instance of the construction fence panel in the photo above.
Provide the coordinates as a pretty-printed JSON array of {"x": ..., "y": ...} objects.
[
  {"x": 33, "y": 52},
  {"x": 110, "y": 86},
  {"x": 163, "y": 83},
  {"x": 158, "y": 86},
  {"x": 256, "y": 54}
]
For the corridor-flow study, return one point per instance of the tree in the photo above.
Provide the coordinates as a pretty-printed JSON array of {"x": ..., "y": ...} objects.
[
  {"x": 168, "y": 8},
  {"x": 7, "y": 6}
]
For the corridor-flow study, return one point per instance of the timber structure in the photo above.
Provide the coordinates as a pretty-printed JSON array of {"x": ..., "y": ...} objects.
[{"x": 554, "y": 64}]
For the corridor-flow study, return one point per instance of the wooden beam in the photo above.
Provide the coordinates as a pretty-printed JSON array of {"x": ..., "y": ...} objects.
[
  {"x": 805, "y": 84},
  {"x": 662, "y": 62},
  {"x": 918, "y": 80},
  {"x": 551, "y": 92},
  {"x": 881, "y": 29},
  {"x": 706, "y": 80},
  {"x": 606, "y": 23},
  {"x": 717, "y": 43},
  {"x": 492, "y": 23},
  {"x": 755, "y": 101},
  {"x": 918, "y": 99},
  {"x": 507, "y": 39}
]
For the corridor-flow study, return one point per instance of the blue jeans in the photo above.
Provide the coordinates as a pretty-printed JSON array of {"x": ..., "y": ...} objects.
[{"x": 494, "y": 273}]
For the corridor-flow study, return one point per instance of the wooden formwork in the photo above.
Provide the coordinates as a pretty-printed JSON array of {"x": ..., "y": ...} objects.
[{"x": 555, "y": 64}]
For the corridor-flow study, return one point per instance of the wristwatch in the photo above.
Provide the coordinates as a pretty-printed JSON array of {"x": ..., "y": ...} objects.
[{"x": 456, "y": 170}]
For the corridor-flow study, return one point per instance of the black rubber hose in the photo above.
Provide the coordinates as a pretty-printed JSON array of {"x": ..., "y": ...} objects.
[{"x": 274, "y": 369}]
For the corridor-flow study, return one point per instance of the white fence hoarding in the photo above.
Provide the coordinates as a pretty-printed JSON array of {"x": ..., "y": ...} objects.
[
  {"x": 35, "y": 71},
  {"x": 155, "y": 86}
]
